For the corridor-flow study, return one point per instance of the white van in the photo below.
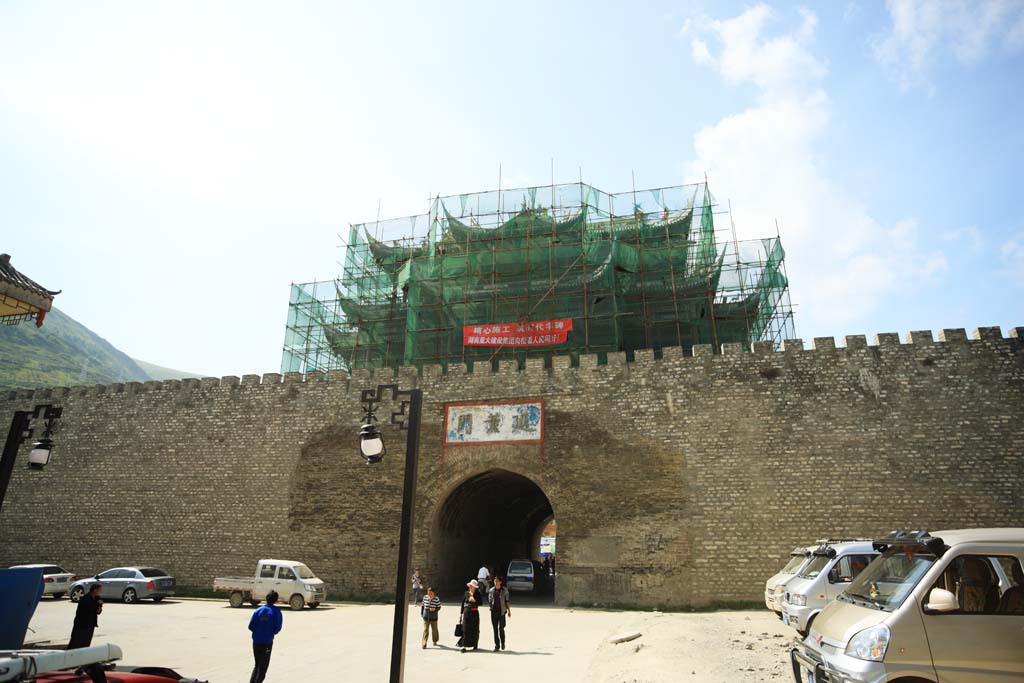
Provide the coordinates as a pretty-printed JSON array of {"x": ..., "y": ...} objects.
[
  {"x": 520, "y": 576},
  {"x": 798, "y": 557},
  {"x": 293, "y": 581},
  {"x": 830, "y": 570},
  {"x": 946, "y": 607}
]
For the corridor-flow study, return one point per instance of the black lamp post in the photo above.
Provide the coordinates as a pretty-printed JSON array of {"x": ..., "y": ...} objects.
[
  {"x": 19, "y": 432},
  {"x": 371, "y": 446}
]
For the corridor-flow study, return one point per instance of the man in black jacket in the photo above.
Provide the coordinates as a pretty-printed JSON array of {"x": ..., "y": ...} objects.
[{"x": 89, "y": 607}]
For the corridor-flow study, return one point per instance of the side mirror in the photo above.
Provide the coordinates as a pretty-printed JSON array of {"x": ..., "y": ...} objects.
[
  {"x": 941, "y": 601},
  {"x": 833, "y": 575}
]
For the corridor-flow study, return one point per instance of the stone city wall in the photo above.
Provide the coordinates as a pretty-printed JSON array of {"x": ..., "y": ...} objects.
[{"x": 676, "y": 481}]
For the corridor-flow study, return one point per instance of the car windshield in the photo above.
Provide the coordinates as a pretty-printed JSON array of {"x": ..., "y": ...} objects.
[
  {"x": 814, "y": 567},
  {"x": 53, "y": 569},
  {"x": 304, "y": 572},
  {"x": 888, "y": 580},
  {"x": 793, "y": 564},
  {"x": 520, "y": 568},
  {"x": 150, "y": 572}
]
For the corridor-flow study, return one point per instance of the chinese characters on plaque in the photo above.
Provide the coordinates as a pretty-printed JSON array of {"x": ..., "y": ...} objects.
[{"x": 518, "y": 421}]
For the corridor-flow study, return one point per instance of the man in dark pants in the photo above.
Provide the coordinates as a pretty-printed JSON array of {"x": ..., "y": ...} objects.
[
  {"x": 497, "y": 596},
  {"x": 265, "y": 624},
  {"x": 86, "y": 621}
]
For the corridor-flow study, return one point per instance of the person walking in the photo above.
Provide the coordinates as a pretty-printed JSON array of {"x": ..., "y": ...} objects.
[
  {"x": 265, "y": 623},
  {"x": 86, "y": 620},
  {"x": 501, "y": 607},
  {"x": 471, "y": 600},
  {"x": 482, "y": 576},
  {"x": 417, "y": 586},
  {"x": 431, "y": 606}
]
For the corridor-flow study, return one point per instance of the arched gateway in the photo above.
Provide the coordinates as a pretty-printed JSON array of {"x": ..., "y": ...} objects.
[{"x": 491, "y": 518}]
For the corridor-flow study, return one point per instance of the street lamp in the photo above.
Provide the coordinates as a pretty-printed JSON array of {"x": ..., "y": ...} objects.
[
  {"x": 20, "y": 431},
  {"x": 371, "y": 447}
]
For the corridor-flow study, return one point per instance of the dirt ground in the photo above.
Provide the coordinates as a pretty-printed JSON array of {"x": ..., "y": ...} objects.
[{"x": 351, "y": 642}]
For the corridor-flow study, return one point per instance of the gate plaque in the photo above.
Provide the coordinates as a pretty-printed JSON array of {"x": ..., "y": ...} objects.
[{"x": 499, "y": 422}]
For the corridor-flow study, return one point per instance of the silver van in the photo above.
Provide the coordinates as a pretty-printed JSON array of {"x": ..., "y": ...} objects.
[
  {"x": 773, "y": 587},
  {"x": 820, "y": 581},
  {"x": 946, "y": 607}
]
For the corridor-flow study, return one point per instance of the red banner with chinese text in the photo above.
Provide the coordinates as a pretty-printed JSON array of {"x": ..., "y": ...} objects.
[{"x": 536, "y": 333}]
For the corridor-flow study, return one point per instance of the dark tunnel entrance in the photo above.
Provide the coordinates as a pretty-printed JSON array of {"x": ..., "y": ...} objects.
[{"x": 491, "y": 518}]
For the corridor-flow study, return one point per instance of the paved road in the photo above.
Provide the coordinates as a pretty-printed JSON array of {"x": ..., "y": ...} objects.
[{"x": 352, "y": 642}]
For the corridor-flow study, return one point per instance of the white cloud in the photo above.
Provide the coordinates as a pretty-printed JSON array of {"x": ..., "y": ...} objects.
[
  {"x": 923, "y": 30},
  {"x": 1012, "y": 254},
  {"x": 841, "y": 261},
  {"x": 970, "y": 236}
]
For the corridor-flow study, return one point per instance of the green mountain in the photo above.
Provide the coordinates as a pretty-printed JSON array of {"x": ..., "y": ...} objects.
[
  {"x": 64, "y": 353},
  {"x": 160, "y": 372}
]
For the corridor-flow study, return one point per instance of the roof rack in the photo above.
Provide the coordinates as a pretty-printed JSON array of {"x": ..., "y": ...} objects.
[
  {"x": 825, "y": 548},
  {"x": 23, "y": 665},
  {"x": 906, "y": 539}
]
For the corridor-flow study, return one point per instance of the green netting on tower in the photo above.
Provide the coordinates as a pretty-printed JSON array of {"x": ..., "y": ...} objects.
[{"x": 630, "y": 271}]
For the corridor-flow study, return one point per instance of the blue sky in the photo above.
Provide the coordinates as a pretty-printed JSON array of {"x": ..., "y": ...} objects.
[{"x": 174, "y": 166}]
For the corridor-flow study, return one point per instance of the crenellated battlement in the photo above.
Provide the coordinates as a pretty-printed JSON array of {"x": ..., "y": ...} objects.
[{"x": 882, "y": 343}]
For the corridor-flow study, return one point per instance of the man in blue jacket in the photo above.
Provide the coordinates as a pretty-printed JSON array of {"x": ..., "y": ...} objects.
[{"x": 264, "y": 624}]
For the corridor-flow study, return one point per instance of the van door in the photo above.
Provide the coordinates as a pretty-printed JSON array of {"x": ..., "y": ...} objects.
[
  {"x": 287, "y": 583},
  {"x": 265, "y": 581},
  {"x": 976, "y": 643},
  {"x": 844, "y": 571}
]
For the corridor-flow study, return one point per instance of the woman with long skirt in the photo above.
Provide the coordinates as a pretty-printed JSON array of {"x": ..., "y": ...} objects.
[{"x": 471, "y": 601}]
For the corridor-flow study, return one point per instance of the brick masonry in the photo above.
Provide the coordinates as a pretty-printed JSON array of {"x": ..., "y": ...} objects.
[{"x": 675, "y": 481}]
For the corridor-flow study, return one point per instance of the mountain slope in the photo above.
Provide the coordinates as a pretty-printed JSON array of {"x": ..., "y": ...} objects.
[
  {"x": 63, "y": 352},
  {"x": 160, "y": 372}
]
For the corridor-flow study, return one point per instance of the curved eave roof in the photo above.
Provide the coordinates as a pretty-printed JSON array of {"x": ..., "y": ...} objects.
[{"x": 21, "y": 294}]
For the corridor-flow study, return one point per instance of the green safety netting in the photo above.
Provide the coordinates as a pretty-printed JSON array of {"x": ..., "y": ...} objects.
[{"x": 633, "y": 271}]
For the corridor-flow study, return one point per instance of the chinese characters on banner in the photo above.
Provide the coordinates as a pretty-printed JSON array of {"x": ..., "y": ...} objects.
[
  {"x": 519, "y": 421},
  {"x": 536, "y": 333}
]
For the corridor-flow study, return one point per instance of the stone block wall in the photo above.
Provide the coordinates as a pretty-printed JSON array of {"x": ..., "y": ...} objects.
[{"x": 676, "y": 481}]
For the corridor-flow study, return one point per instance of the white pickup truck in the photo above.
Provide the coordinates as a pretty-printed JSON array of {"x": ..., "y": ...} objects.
[{"x": 294, "y": 582}]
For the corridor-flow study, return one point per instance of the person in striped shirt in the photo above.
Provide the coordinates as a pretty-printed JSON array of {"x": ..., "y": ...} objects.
[{"x": 431, "y": 606}]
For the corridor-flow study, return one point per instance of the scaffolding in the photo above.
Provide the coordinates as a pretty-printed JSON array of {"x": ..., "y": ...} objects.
[{"x": 645, "y": 269}]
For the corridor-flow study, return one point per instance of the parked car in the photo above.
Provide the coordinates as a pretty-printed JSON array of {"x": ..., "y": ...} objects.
[
  {"x": 947, "y": 606},
  {"x": 294, "y": 582},
  {"x": 827, "y": 574},
  {"x": 520, "y": 575},
  {"x": 55, "y": 578},
  {"x": 798, "y": 557},
  {"x": 127, "y": 584}
]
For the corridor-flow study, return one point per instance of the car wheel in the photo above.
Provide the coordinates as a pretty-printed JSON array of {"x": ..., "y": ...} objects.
[
  {"x": 129, "y": 596},
  {"x": 296, "y": 602},
  {"x": 314, "y": 605},
  {"x": 58, "y": 596},
  {"x": 236, "y": 599},
  {"x": 158, "y": 598},
  {"x": 76, "y": 594},
  {"x": 254, "y": 603}
]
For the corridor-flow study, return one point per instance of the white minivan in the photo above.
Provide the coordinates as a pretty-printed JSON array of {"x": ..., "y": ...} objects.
[
  {"x": 942, "y": 607},
  {"x": 830, "y": 570},
  {"x": 798, "y": 557},
  {"x": 520, "y": 575}
]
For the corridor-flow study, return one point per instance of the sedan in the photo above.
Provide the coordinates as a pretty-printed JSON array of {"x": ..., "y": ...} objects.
[
  {"x": 127, "y": 584},
  {"x": 55, "y": 579}
]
